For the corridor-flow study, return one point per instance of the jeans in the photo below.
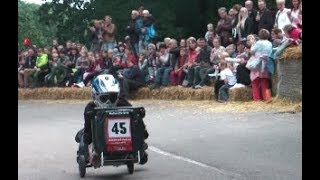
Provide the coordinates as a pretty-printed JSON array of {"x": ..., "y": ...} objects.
[
  {"x": 191, "y": 73},
  {"x": 217, "y": 85},
  {"x": 223, "y": 92},
  {"x": 204, "y": 74},
  {"x": 58, "y": 72},
  {"x": 162, "y": 76}
]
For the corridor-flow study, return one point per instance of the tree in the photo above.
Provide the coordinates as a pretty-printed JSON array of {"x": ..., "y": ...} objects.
[{"x": 30, "y": 26}]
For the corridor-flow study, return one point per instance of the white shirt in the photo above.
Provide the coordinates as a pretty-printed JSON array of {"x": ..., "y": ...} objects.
[
  {"x": 282, "y": 18},
  {"x": 227, "y": 74}
]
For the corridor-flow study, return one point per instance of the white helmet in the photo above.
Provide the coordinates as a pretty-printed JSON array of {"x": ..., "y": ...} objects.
[{"x": 105, "y": 90}]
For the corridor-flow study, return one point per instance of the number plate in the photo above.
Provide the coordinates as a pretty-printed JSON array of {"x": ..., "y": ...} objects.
[
  {"x": 118, "y": 134},
  {"x": 118, "y": 128}
]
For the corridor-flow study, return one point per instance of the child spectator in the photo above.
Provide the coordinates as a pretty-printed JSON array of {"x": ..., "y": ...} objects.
[
  {"x": 209, "y": 29},
  {"x": 229, "y": 79},
  {"x": 152, "y": 64},
  {"x": 177, "y": 74}
]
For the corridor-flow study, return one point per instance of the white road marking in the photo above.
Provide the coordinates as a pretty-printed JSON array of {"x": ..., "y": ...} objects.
[{"x": 159, "y": 151}]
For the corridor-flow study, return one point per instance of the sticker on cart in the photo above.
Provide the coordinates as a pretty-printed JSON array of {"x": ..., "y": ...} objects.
[{"x": 118, "y": 134}]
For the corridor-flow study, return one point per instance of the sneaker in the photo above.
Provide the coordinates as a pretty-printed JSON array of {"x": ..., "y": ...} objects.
[
  {"x": 238, "y": 85},
  {"x": 198, "y": 87},
  {"x": 80, "y": 85},
  {"x": 67, "y": 83}
]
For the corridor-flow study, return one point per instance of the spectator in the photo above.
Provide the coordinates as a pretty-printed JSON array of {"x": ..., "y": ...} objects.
[
  {"x": 242, "y": 73},
  {"x": 282, "y": 16},
  {"x": 143, "y": 64},
  {"x": 74, "y": 55},
  {"x": 92, "y": 70},
  {"x": 231, "y": 50},
  {"x": 296, "y": 14},
  {"x": 236, "y": 9},
  {"x": 79, "y": 46},
  {"x": 53, "y": 64},
  {"x": 163, "y": 71},
  {"x": 192, "y": 61},
  {"x": 229, "y": 79},
  {"x": 41, "y": 68},
  {"x": 174, "y": 52},
  {"x": 68, "y": 46},
  {"x": 108, "y": 34},
  {"x": 216, "y": 51},
  {"x": 294, "y": 33},
  {"x": 215, "y": 56},
  {"x": 210, "y": 29},
  {"x": 259, "y": 76},
  {"x": 59, "y": 48},
  {"x": 152, "y": 63},
  {"x": 130, "y": 79},
  {"x": 177, "y": 74},
  {"x": 27, "y": 68},
  {"x": 149, "y": 27},
  {"x": 244, "y": 26},
  {"x": 203, "y": 62},
  {"x": 211, "y": 35},
  {"x": 224, "y": 26},
  {"x": 135, "y": 32},
  {"x": 252, "y": 13},
  {"x": 166, "y": 42},
  {"x": 96, "y": 36},
  {"x": 55, "y": 43},
  {"x": 82, "y": 65},
  {"x": 264, "y": 17},
  {"x": 183, "y": 43},
  {"x": 107, "y": 59},
  {"x": 128, "y": 56},
  {"x": 218, "y": 82},
  {"x": 277, "y": 37}
]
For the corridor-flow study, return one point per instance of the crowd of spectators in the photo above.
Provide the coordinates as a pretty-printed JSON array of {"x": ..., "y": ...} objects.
[{"x": 238, "y": 51}]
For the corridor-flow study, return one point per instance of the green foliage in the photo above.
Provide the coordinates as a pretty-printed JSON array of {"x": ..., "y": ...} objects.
[{"x": 30, "y": 26}]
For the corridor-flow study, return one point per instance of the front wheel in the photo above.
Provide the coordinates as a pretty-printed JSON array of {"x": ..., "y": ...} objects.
[
  {"x": 82, "y": 166},
  {"x": 130, "y": 167}
]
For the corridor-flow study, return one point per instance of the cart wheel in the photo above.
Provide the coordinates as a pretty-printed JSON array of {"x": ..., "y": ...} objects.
[
  {"x": 130, "y": 167},
  {"x": 82, "y": 166}
]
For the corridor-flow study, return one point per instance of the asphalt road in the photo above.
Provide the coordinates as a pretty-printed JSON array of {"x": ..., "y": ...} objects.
[{"x": 184, "y": 143}]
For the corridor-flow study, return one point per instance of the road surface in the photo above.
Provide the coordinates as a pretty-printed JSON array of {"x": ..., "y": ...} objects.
[{"x": 185, "y": 143}]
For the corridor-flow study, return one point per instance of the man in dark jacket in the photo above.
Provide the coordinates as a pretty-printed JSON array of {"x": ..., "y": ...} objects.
[
  {"x": 252, "y": 13},
  {"x": 203, "y": 61},
  {"x": 131, "y": 78},
  {"x": 264, "y": 17},
  {"x": 135, "y": 31}
]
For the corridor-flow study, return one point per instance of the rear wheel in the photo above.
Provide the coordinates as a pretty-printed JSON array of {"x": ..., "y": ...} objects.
[
  {"x": 130, "y": 167},
  {"x": 82, "y": 166}
]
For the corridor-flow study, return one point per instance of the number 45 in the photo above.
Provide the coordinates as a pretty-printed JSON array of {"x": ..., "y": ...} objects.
[{"x": 115, "y": 128}]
